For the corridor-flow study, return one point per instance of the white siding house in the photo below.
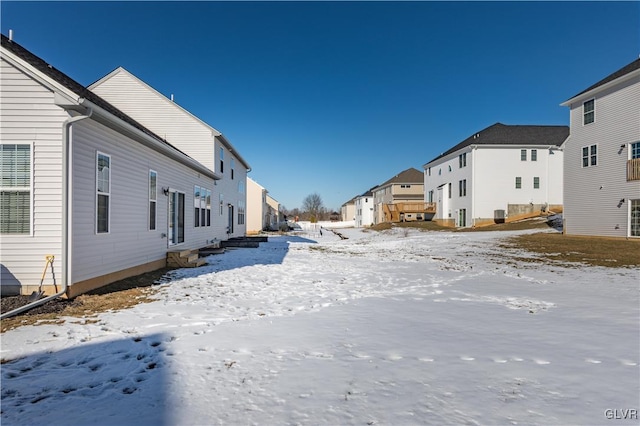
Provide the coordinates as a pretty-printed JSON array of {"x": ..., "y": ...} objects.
[
  {"x": 85, "y": 183},
  {"x": 602, "y": 158},
  {"x": 192, "y": 136},
  {"x": 348, "y": 210},
  {"x": 500, "y": 173},
  {"x": 364, "y": 210}
]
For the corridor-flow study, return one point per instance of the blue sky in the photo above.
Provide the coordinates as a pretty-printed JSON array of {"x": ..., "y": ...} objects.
[{"x": 337, "y": 97}]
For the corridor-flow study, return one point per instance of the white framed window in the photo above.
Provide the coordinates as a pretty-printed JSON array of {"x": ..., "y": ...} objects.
[
  {"x": 523, "y": 155},
  {"x": 241, "y": 187},
  {"x": 203, "y": 206},
  {"x": 536, "y": 182},
  {"x": 233, "y": 167},
  {"x": 16, "y": 188},
  {"x": 462, "y": 188},
  {"x": 405, "y": 186},
  {"x": 176, "y": 217},
  {"x": 634, "y": 218},
  {"x": 103, "y": 192},
  {"x": 634, "y": 152},
  {"x": 208, "y": 207},
  {"x": 449, "y": 188},
  {"x": 153, "y": 199},
  {"x": 221, "y": 160},
  {"x": 589, "y": 111},
  {"x": 196, "y": 206},
  {"x": 534, "y": 155},
  {"x": 462, "y": 160},
  {"x": 589, "y": 156},
  {"x": 241, "y": 212},
  {"x": 518, "y": 182},
  {"x": 430, "y": 196}
]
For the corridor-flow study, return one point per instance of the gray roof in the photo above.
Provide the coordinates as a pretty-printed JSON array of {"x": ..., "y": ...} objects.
[
  {"x": 408, "y": 176},
  {"x": 621, "y": 72},
  {"x": 502, "y": 134}
]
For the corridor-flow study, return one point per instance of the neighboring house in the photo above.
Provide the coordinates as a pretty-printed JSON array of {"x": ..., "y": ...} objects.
[
  {"x": 274, "y": 218},
  {"x": 602, "y": 158},
  {"x": 84, "y": 182},
  {"x": 401, "y": 198},
  {"x": 364, "y": 209},
  {"x": 348, "y": 210},
  {"x": 192, "y": 136},
  {"x": 257, "y": 207},
  {"x": 263, "y": 211},
  {"x": 501, "y": 173}
]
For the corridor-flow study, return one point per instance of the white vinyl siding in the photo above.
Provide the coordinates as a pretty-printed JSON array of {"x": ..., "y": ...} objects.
[
  {"x": 128, "y": 242},
  {"x": 28, "y": 115}
]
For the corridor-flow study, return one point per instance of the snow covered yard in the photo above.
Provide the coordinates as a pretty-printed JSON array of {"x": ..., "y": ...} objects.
[{"x": 397, "y": 327}]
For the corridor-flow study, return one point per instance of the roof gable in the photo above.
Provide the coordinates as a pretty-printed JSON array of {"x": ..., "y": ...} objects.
[
  {"x": 407, "y": 176},
  {"x": 510, "y": 135},
  {"x": 130, "y": 77}
]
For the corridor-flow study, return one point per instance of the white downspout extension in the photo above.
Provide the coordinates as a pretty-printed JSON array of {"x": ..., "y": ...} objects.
[{"x": 66, "y": 235}]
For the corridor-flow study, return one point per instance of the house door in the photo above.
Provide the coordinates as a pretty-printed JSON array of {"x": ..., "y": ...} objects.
[
  {"x": 176, "y": 218},
  {"x": 462, "y": 218},
  {"x": 230, "y": 226}
]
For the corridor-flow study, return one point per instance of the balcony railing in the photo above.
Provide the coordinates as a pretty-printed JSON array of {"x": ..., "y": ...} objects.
[{"x": 633, "y": 169}]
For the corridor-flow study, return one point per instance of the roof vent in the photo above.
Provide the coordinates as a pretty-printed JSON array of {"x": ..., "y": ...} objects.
[
  {"x": 172, "y": 97},
  {"x": 10, "y": 35}
]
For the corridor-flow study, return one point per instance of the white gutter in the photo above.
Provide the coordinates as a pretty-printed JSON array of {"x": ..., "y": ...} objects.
[{"x": 66, "y": 234}]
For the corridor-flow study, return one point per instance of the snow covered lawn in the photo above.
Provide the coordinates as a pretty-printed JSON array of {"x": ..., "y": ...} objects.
[{"x": 381, "y": 328}]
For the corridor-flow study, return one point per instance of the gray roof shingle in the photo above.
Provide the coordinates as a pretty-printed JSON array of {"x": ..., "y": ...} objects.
[{"x": 502, "y": 134}]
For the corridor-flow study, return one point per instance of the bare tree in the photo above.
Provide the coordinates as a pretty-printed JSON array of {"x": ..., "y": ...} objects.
[{"x": 312, "y": 204}]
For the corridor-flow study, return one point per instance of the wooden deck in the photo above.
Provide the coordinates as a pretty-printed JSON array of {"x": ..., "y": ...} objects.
[{"x": 394, "y": 212}]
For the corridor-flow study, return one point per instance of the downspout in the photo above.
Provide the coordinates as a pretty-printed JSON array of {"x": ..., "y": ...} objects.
[{"x": 66, "y": 235}]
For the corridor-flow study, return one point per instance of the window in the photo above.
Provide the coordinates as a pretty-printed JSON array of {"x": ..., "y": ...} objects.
[
  {"x": 241, "y": 187},
  {"x": 634, "y": 227},
  {"x": 523, "y": 155},
  {"x": 221, "y": 160},
  {"x": 240, "y": 212},
  {"x": 153, "y": 198},
  {"x": 103, "y": 192},
  {"x": 196, "y": 206},
  {"x": 536, "y": 182},
  {"x": 176, "y": 217},
  {"x": 208, "y": 207},
  {"x": 462, "y": 188},
  {"x": 589, "y": 111},
  {"x": 430, "y": 197},
  {"x": 15, "y": 189},
  {"x": 405, "y": 186},
  {"x": 203, "y": 206},
  {"x": 449, "y": 187},
  {"x": 589, "y": 156},
  {"x": 462, "y": 160},
  {"x": 534, "y": 155},
  {"x": 429, "y": 171},
  {"x": 233, "y": 166},
  {"x": 518, "y": 182},
  {"x": 635, "y": 150}
]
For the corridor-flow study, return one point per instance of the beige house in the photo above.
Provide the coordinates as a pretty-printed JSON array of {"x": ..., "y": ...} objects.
[
  {"x": 401, "y": 198},
  {"x": 263, "y": 211},
  {"x": 348, "y": 210}
]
